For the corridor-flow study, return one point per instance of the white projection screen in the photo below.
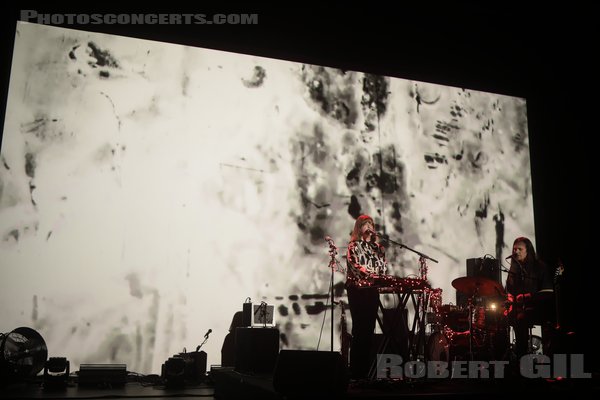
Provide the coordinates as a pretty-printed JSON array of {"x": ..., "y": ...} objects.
[{"x": 147, "y": 189}]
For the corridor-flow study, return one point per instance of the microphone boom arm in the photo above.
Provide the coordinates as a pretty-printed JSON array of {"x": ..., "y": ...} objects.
[
  {"x": 204, "y": 341},
  {"x": 413, "y": 250}
]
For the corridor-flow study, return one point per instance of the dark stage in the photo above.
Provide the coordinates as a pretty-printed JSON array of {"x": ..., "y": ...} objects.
[
  {"x": 226, "y": 383},
  {"x": 543, "y": 57}
]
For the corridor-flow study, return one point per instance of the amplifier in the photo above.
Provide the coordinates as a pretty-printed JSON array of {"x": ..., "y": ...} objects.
[
  {"x": 256, "y": 349},
  {"x": 102, "y": 374}
]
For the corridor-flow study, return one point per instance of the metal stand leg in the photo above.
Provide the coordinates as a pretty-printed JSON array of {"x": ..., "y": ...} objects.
[{"x": 470, "y": 304}]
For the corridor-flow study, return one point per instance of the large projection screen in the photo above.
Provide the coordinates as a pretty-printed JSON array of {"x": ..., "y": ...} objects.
[{"x": 147, "y": 189}]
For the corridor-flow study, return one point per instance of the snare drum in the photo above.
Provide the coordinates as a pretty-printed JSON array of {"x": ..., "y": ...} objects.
[{"x": 448, "y": 346}]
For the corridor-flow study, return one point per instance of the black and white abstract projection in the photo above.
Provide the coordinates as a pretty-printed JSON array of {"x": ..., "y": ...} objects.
[{"x": 147, "y": 189}]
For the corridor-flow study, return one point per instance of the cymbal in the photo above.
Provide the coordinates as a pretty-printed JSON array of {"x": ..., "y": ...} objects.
[{"x": 478, "y": 286}]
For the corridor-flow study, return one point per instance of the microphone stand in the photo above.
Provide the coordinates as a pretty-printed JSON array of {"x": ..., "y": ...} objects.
[
  {"x": 332, "y": 307},
  {"x": 202, "y": 344},
  {"x": 422, "y": 299},
  {"x": 333, "y": 263}
]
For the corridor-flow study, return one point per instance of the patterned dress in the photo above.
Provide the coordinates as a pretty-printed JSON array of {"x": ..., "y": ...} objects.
[{"x": 367, "y": 254}]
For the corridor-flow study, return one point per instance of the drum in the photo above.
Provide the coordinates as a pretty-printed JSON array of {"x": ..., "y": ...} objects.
[
  {"x": 448, "y": 346},
  {"x": 451, "y": 346},
  {"x": 494, "y": 317},
  {"x": 479, "y": 317},
  {"x": 489, "y": 316},
  {"x": 454, "y": 317}
]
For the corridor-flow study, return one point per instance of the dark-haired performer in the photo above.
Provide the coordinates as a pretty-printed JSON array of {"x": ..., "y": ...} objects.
[{"x": 526, "y": 277}]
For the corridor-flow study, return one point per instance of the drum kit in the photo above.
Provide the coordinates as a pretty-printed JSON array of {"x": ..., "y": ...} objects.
[{"x": 477, "y": 331}]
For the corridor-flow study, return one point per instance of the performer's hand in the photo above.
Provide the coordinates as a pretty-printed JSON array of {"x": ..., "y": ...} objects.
[
  {"x": 523, "y": 297},
  {"x": 508, "y": 306}
]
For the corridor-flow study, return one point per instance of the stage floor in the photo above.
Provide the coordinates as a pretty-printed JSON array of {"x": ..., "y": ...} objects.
[
  {"x": 231, "y": 384},
  {"x": 226, "y": 383}
]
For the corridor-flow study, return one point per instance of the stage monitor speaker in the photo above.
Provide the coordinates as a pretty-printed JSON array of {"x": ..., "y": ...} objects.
[
  {"x": 256, "y": 349},
  {"x": 306, "y": 373}
]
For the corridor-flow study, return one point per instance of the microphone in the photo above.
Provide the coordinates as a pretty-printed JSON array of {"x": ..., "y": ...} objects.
[
  {"x": 511, "y": 256},
  {"x": 207, "y": 333},
  {"x": 373, "y": 234}
]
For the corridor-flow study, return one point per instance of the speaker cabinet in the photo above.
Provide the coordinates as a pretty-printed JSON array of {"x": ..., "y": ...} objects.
[
  {"x": 307, "y": 372},
  {"x": 483, "y": 267},
  {"x": 256, "y": 349}
]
